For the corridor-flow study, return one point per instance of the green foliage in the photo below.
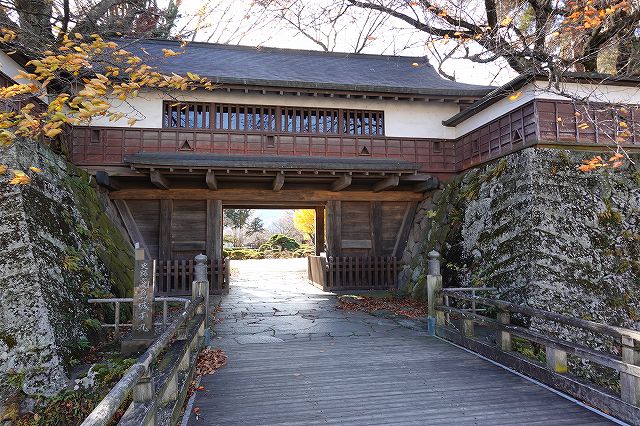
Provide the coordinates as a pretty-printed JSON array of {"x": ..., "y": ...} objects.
[
  {"x": 16, "y": 378},
  {"x": 109, "y": 372},
  {"x": 280, "y": 242},
  {"x": 243, "y": 254},
  {"x": 530, "y": 350},
  {"x": 8, "y": 340},
  {"x": 609, "y": 216}
]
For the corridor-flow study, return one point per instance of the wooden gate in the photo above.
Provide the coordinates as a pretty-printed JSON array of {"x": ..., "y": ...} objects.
[
  {"x": 337, "y": 273},
  {"x": 174, "y": 277}
]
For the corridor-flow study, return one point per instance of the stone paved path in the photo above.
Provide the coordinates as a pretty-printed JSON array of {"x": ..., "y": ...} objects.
[{"x": 294, "y": 359}]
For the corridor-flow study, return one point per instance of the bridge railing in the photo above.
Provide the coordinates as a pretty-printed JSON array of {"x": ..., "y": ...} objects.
[
  {"x": 117, "y": 317},
  {"x": 493, "y": 338},
  {"x": 159, "y": 380},
  {"x": 336, "y": 273}
]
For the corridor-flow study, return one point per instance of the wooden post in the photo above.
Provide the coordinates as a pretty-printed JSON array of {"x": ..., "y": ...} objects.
[
  {"x": 319, "y": 230},
  {"x": 629, "y": 384},
  {"x": 504, "y": 338},
  {"x": 143, "y": 392},
  {"x": 556, "y": 359},
  {"x": 376, "y": 229},
  {"x": 142, "y": 333},
  {"x": 334, "y": 228},
  {"x": 434, "y": 298},
  {"x": 165, "y": 239},
  {"x": 200, "y": 287},
  {"x": 468, "y": 328},
  {"x": 214, "y": 230}
]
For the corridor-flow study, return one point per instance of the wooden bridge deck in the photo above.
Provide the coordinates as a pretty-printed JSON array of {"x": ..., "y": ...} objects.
[{"x": 294, "y": 359}]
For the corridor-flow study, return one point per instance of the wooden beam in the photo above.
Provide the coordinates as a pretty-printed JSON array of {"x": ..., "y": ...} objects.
[
  {"x": 103, "y": 179},
  {"x": 356, "y": 244},
  {"x": 319, "y": 230},
  {"x": 418, "y": 177},
  {"x": 390, "y": 182},
  {"x": 159, "y": 180},
  {"x": 405, "y": 228},
  {"x": 244, "y": 195},
  {"x": 211, "y": 180},
  {"x": 278, "y": 182},
  {"x": 341, "y": 183},
  {"x": 427, "y": 185},
  {"x": 130, "y": 225}
]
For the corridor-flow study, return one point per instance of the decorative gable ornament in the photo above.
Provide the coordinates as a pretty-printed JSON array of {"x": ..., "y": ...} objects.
[{"x": 186, "y": 146}]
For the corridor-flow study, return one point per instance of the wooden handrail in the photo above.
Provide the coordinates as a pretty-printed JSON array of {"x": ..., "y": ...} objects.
[
  {"x": 610, "y": 330},
  {"x": 106, "y": 409}
]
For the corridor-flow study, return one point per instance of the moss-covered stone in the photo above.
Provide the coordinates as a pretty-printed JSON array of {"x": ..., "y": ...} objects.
[{"x": 58, "y": 247}]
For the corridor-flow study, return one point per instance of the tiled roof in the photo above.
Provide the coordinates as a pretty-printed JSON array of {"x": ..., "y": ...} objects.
[{"x": 275, "y": 67}]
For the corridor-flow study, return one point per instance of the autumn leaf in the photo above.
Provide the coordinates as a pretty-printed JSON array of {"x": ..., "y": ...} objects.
[
  {"x": 19, "y": 178},
  {"x": 169, "y": 52},
  {"x": 35, "y": 169},
  {"x": 3, "y": 169},
  {"x": 515, "y": 96}
]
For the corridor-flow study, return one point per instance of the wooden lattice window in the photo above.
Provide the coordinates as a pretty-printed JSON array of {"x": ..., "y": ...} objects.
[
  {"x": 306, "y": 120},
  {"x": 187, "y": 115},
  {"x": 245, "y": 117},
  {"x": 359, "y": 122}
]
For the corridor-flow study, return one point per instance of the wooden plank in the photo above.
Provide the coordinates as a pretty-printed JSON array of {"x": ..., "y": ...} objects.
[
  {"x": 278, "y": 182},
  {"x": 376, "y": 229},
  {"x": 388, "y": 183},
  {"x": 342, "y": 183},
  {"x": 405, "y": 228},
  {"x": 211, "y": 181},
  {"x": 246, "y": 194},
  {"x": 159, "y": 180},
  {"x": 428, "y": 185},
  {"x": 356, "y": 244},
  {"x": 164, "y": 239}
]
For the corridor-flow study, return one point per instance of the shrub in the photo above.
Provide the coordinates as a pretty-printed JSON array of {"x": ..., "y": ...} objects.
[{"x": 280, "y": 242}]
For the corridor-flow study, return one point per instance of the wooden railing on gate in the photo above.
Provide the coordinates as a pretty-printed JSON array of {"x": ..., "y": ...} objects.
[
  {"x": 353, "y": 272},
  {"x": 174, "y": 277}
]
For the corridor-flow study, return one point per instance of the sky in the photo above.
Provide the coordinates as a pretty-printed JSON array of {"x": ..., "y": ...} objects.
[{"x": 241, "y": 22}]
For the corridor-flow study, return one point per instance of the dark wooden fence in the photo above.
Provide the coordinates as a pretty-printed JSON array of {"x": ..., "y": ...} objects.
[
  {"x": 353, "y": 272},
  {"x": 457, "y": 323},
  {"x": 174, "y": 277}
]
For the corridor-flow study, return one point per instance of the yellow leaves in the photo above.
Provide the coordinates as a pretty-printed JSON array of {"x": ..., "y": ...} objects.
[
  {"x": 132, "y": 121},
  {"x": 506, "y": 21},
  {"x": 170, "y": 52},
  {"x": 52, "y": 133},
  {"x": 6, "y": 137},
  {"x": 7, "y": 35},
  {"x": 583, "y": 126},
  {"x": 35, "y": 169},
  {"x": 515, "y": 96},
  {"x": 19, "y": 178},
  {"x": 623, "y": 125},
  {"x": 3, "y": 169},
  {"x": 415, "y": 64}
]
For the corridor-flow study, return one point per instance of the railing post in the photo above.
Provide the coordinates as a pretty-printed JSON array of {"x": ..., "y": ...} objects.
[
  {"x": 556, "y": 359},
  {"x": 504, "y": 337},
  {"x": 143, "y": 392},
  {"x": 200, "y": 287},
  {"x": 434, "y": 297},
  {"x": 630, "y": 384}
]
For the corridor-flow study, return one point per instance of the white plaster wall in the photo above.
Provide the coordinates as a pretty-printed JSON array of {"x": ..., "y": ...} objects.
[{"x": 402, "y": 118}]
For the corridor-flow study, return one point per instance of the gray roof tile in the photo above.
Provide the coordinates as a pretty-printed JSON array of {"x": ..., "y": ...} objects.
[{"x": 263, "y": 66}]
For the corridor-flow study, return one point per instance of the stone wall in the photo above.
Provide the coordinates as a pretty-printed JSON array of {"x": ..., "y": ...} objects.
[
  {"x": 541, "y": 232},
  {"x": 58, "y": 247}
]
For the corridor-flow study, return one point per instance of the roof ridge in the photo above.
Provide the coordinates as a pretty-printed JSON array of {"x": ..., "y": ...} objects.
[{"x": 274, "y": 49}]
